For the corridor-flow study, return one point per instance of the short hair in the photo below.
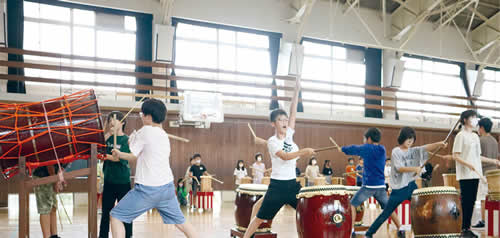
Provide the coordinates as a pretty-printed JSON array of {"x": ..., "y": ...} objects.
[
  {"x": 119, "y": 117},
  {"x": 311, "y": 160},
  {"x": 349, "y": 159},
  {"x": 276, "y": 113},
  {"x": 257, "y": 155},
  {"x": 486, "y": 124},
  {"x": 155, "y": 108},
  {"x": 406, "y": 133},
  {"x": 196, "y": 156},
  {"x": 374, "y": 134},
  {"x": 466, "y": 114}
]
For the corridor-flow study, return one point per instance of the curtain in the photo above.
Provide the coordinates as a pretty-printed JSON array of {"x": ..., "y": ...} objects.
[
  {"x": 173, "y": 83},
  {"x": 274, "y": 50},
  {"x": 144, "y": 49},
  {"x": 465, "y": 81},
  {"x": 373, "y": 63},
  {"x": 15, "y": 30}
]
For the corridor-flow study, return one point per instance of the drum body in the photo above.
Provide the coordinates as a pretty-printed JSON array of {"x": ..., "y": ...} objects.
[
  {"x": 324, "y": 212},
  {"x": 436, "y": 212},
  {"x": 245, "y": 180},
  {"x": 206, "y": 184},
  {"x": 360, "y": 211},
  {"x": 337, "y": 180},
  {"x": 319, "y": 181},
  {"x": 43, "y": 132},
  {"x": 493, "y": 177},
  {"x": 450, "y": 180},
  {"x": 266, "y": 180},
  {"x": 246, "y": 196},
  {"x": 302, "y": 181}
]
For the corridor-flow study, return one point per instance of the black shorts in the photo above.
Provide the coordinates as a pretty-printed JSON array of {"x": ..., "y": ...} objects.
[
  {"x": 279, "y": 193},
  {"x": 195, "y": 187}
]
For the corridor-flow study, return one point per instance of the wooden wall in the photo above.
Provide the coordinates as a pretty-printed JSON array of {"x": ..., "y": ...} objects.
[{"x": 222, "y": 145}]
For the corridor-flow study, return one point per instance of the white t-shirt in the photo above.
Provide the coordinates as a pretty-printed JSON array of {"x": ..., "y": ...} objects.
[
  {"x": 259, "y": 172},
  {"x": 239, "y": 174},
  {"x": 151, "y": 146},
  {"x": 282, "y": 169},
  {"x": 469, "y": 147}
]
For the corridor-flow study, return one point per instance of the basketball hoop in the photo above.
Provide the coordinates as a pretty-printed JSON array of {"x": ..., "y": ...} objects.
[{"x": 202, "y": 106}]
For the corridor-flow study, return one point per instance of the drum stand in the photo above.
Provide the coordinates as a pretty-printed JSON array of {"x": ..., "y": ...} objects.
[
  {"x": 26, "y": 184},
  {"x": 236, "y": 233}
]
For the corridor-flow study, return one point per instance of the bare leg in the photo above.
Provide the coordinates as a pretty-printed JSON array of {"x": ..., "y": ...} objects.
[
  {"x": 254, "y": 224},
  {"x": 353, "y": 212},
  {"x": 396, "y": 221},
  {"x": 483, "y": 205},
  {"x": 117, "y": 228},
  {"x": 53, "y": 221},
  {"x": 187, "y": 229},
  {"x": 256, "y": 207},
  {"x": 45, "y": 225}
]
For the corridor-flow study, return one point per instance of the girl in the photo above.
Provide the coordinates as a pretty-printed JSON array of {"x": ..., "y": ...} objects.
[
  {"x": 258, "y": 169},
  {"x": 312, "y": 171},
  {"x": 240, "y": 171},
  {"x": 467, "y": 152},
  {"x": 181, "y": 192},
  {"x": 327, "y": 171}
]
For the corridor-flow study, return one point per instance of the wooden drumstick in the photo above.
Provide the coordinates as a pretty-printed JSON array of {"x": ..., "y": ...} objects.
[
  {"x": 251, "y": 130},
  {"x": 178, "y": 138},
  {"x": 216, "y": 180},
  {"x": 131, "y": 109},
  {"x": 256, "y": 139},
  {"x": 446, "y": 139},
  {"x": 335, "y": 143},
  {"x": 325, "y": 148}
]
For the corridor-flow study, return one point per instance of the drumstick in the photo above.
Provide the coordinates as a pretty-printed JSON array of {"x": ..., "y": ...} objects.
[
  {"x": 216, "y": 180},
  {"x": 335, "y": 143},
  {"x": 440, "y": 147},
  {"x": 325, "y": 148},
  {"x": 131, "y": 109},
  {"x": 256, "y": 139},
  {"x": 178, "y": 138},
  {"x": 114, "y": 131},
  {"x": 251, "y": 130}
]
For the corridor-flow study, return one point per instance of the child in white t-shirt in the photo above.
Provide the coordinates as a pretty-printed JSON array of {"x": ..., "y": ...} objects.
[
  {"x": 283, "y": 188},
  {"x": 154, "y": 187},
  {"x": 240, "y": 171}
]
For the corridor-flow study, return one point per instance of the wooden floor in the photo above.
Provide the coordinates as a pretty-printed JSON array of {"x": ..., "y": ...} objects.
[{"x": 210, "y": 224}]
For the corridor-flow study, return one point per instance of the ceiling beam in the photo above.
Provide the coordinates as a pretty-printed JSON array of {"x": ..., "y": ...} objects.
[
  {"x": 350, "y": 5},
  {"x": 404, "y": 5},
  {"x": 488, "y": 45},
  {"x": 300, "y": 31},
  {"x": 419, "y": 19},
  {"x": 487, "y": 21},
  {"x": 459, "y": 7}
]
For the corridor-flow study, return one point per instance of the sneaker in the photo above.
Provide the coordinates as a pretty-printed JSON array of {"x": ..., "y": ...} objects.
[
  {"x": 401, "y": 234},
  {"x": 353, "y": 235},
  {"x": 468, "y": 234},
  {"x": 480, "y": 224}
]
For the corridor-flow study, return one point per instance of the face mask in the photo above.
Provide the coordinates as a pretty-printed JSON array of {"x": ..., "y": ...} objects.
[
  {"x": 259, "y": 158},
  {"x": 180, "y": 185},
  {"x": 241, "y": 165},
  {"x": 198, "y": 161},
  {"x": 364, "y": 140},
  {"x": 314, "y": 162},
  {"x": 474, "y": 122}
]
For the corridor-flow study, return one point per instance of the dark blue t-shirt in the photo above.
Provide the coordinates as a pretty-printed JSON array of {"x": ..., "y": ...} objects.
[{"x": 374, "y": 162}]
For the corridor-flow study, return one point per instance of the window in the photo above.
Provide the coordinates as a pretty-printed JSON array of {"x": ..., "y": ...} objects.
[
  {"x": 327, "y": 63},
  {"x": 491, "y": 87},
  {"x": 424, "y": 76},
  {"x": 217, "y": 48},
  {"x": 79, "y": 32}
]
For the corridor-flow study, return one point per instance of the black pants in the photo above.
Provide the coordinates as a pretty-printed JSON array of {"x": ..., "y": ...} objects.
[
  {"x": 110, "y": 194},
  {"x": 468, "y": 192}
]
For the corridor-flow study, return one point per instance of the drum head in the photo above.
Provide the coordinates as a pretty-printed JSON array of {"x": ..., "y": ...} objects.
[
  {"x": 252, "y": 189},
  {"x": 494, "y": 172},
  {"x": 325, "y": 190},
  {"x": 352, "y": 189},
  {"x": 435, "y": 190}
]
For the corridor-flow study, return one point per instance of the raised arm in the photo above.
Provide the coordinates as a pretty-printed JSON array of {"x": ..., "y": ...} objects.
[
  {"x": 352, "y": 150},
  {"x": 293, "y": 105},
  {"x": 434, "y": 146}
]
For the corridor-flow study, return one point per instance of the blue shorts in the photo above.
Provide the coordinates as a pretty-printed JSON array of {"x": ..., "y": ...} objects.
[
  {"x": 144, "y": 198},
  {"x": 364, "y": 193}
]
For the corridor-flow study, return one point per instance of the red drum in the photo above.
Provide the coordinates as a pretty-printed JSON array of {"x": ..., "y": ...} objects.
[
  {"x": 324, "y": 212},
  {"x": 436, "y": 212},
  {"x": 57, "y": 129},
  {"x": 246, "y": 196},
  {"x": 360, "y": 211}
]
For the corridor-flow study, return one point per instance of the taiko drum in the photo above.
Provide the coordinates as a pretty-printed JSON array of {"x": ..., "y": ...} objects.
[{"x": 246, "y": 196}]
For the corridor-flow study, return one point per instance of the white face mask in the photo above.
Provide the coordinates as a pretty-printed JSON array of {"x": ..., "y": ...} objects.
[
  {"x": 474, "y": 122},
  {"x": 259, "y": 158},
  {"x": 313, "y": 162},
  {"x": 241, "y": 165},
  {"x": 198, "y": 161}
]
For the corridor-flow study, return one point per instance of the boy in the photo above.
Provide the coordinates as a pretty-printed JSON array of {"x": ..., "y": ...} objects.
[
  {"x": 350, "y": 171},
  {"x": 489, "y": 149},
  {"x": 195, "y": 172},
  {"x": 373, "y": 174},
  {"x": 359, "y": 172},
  {"x": 46, "y": 201},
  {"x": 406, "y": 162},
  {"x": 116, "y": 172},
  {"x": 154, "y": 186},
  {"x": 283, "y": 188}
]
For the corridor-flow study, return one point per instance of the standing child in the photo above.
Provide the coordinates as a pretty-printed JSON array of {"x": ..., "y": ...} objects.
[
  {"x": 350, "y": 170},
  {"x": 181, "y": 192},
  {"x": 116, "y": 172},
  {"x": 312, "y": 171},
  {"x": 195, "y": 172},
  {"x": 283, "y": 188},
  {"x": 406, "y": 162},
  {"x": 154, "y": 187},
  {"x": 373, "y": 175},
  {"x": 240, "y": 171},
  {"x": 188, "y": 181},
  {"x": 327, "y": 171},
  {"x": 258, "y": 169},
  {"x": 467, "y": 152}
]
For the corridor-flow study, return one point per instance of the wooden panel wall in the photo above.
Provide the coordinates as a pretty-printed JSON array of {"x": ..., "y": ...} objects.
[{"x": 224, "y": 144}]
